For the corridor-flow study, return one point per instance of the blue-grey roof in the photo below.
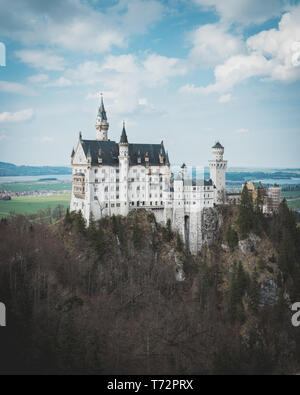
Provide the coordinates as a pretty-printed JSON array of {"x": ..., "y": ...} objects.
[
  {"x": 109, "y": 151},
  {"x": 218, "y": 145},
  {"x": 102, "y": 112},
  {"x": 124, "y": 138}
]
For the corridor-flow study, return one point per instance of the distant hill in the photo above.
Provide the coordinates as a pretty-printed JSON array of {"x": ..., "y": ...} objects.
[{"x": 9, "y": 169}]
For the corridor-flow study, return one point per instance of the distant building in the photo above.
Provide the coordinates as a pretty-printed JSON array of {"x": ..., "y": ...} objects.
[
  {"x": 233, "y": 198},
  {"x": 270, "y": 197},
  {"x": 273, "y": 199},
  {"x": 111, "y": 178}
]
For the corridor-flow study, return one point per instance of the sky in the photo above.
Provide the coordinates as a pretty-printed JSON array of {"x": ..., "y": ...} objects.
[{"x": 189, "y": 72}]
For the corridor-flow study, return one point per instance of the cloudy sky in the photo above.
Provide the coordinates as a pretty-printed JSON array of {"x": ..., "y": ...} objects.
[{"x": 189, "y": 72}]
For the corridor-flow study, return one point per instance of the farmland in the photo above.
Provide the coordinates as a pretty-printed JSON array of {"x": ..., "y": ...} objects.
[{"x": 30, "y": 204}]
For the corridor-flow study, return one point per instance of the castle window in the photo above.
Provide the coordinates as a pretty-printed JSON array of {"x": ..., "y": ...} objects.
[{"x": 96, "y": 171}]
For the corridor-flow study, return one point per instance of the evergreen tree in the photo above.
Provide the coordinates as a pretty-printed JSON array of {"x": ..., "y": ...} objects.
[
  {"x": 79, "y": 223},
  {"x": 179, "y": 243},
  {"x": 232, "y": 238},
  {"x": 237, "y": 290},
  {"x": 245, "y": 217},
  {"x": 167, "y": 232},
  {"x": 254, "y": 293},
  {"x": 68, "y": 218},
  {"x": 137, "y": 236}
]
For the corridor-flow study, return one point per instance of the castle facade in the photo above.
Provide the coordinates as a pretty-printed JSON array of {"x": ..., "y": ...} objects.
[{"x": 110, "y": 178}]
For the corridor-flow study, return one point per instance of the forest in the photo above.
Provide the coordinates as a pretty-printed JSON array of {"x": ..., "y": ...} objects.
[{"x": 106, "y": 299}]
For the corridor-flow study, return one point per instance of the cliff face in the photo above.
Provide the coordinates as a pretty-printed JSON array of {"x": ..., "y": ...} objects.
[{"x": 211, "y": 222}]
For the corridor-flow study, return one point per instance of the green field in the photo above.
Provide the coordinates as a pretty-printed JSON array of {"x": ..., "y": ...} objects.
[
  {"x": 294, "y": 203},
  {"x": 36, "y": 186},
  {"x": 31, "y": 204},
  {"x": 290, "y": 194}
]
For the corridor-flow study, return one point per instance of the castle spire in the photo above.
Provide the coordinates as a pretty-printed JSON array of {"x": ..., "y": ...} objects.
[
  {"x": 102, "y": 124},
  {"x": 124, "y": 139},
  {"x": 102, "y": 112}
]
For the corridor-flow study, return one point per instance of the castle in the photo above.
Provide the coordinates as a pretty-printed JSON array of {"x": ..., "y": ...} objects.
[{"x": 111, "y": 178}]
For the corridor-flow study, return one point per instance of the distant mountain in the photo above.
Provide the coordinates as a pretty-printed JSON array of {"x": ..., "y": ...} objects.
[{"x": 9, "y": 169}]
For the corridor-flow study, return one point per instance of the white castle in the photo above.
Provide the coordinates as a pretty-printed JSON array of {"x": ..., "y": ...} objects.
[{"x": 111, "y": 178}]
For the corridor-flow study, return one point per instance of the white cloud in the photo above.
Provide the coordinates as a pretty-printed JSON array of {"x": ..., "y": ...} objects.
[
  {"x": 143, "y": 102},
  {"x": 47, "y": 139},
  {"x": 16, "y": 88},
  {"x": 212, "y": 44},
  {"x": 41, "y": 59},
  {"x": 122, "y": 78},
  {"x": 271, "y": 56},
  {"x": 38, "y": 78},
  {"x": 225, "y": 98},
  {"x": 161, "y": 68},
  {"x": 242, "y": 131},
  {"x": 77, "y": 25},
  {"x": 244, "y": 11},
  {"x": 19, "y": 116},
  {"x": 280, "y": 46},
  {"x": 61, "y": 82},
  {"x": 3, "y": 137}
]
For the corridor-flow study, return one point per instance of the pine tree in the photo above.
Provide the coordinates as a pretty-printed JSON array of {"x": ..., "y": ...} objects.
[
  {"x": 167, "y": 232},
  {"x": 245, "y": 217},
  {"x": 68, "y": 218},
  {"x": 179, "y": 243},
  {"x": 232, "y": 238},
  {"x": 237, "y": 290},
  {"x": 254, "y": 293}
]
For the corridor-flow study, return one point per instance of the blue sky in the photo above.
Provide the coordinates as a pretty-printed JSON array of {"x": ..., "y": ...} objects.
[{"x": 189, "y": 72}]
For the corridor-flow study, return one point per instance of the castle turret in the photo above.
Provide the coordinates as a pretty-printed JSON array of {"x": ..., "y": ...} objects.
[
  {"x": 102, "y": 124},
  {"x": 218, "y": 167},
  {"x": 124, "y": 170}
]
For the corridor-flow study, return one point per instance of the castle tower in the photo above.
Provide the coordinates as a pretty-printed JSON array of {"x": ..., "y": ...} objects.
[
  {"x": 218, "y": 167},
  {"x": 102, "y": 125},
  {"x": 124, "y": 170}
]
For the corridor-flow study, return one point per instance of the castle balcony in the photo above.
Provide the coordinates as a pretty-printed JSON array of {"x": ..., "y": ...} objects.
[{"x": 78, "y": 182}]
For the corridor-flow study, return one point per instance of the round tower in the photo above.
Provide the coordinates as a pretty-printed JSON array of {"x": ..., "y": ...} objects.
[
  {"x": 218, "y": 167},
  {"x": 124, "y": 170},
  {"x": 218, "y": 151}
]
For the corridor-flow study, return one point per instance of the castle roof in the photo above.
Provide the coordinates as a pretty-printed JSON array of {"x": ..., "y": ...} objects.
[
  {"x": 218, "y": 145},
  {"x": 110, "y": 152},
  {"x": 124, "y": 138},
  {"x": 102, "y": 112}
]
